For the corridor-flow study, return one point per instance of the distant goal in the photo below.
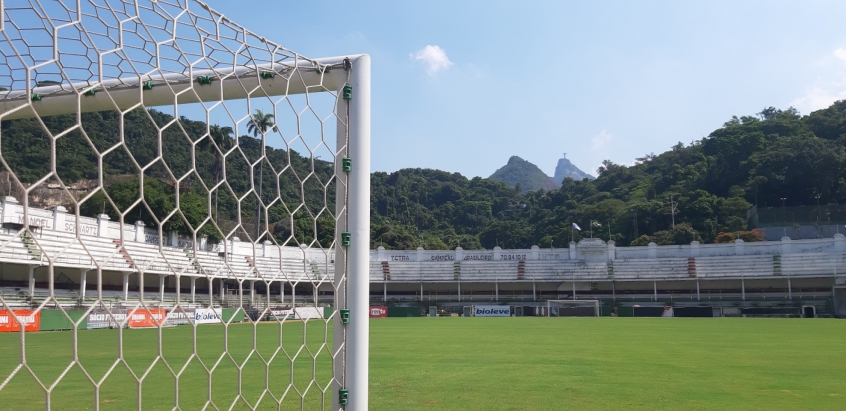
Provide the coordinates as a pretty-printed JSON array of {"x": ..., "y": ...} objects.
[{"x": 572, "y": 308}]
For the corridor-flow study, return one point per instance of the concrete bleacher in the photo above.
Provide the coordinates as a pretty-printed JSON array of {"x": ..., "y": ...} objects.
[
  {"x": 14, "y": 297},
  {"x": 487, "y": 271},
  {"x": 17, "y": 298},
  {"x": 288, "y": 269},
  {"x": 408, "y": 271},
  {"x": 813, "y": 264},
  {"x": 564, "y": 270},
  {"x": 126, "y": 249},
  {"x": 65, "y": 249},
  {"x": 659, "y": 268},
  {"x": 13, "y": 248},
  {"x": 734, "y": 266}
]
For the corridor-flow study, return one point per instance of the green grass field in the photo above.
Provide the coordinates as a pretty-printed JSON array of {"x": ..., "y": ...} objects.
[{"x": 461, "y": 364}]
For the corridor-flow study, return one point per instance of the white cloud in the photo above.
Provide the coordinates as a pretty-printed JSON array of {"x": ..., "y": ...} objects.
[
  {"x": 828, "y": 87},
  {"x": 434, "y": 57},
  {"x": 600, "y": 140},
  {"x": 818, "y": 98}
]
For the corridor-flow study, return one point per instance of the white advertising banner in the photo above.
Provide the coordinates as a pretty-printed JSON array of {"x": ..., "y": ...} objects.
[
  {"x": 181, "y": 316},
  {"x": 207, "y": 316},
  {"x": 281, "y": 313},
  {"x": 492, "y": 310},
  {"x": 303, "y": 313}
]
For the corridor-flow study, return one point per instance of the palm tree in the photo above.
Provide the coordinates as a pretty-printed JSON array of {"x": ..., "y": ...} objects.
[
  {"x": 259, "y": 125},
  {"x": 219, "y": 136}
]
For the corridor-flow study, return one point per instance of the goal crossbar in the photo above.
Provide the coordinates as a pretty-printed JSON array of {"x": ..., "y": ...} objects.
[
  {"x": 572, "y": 308},
  {"x": 317, "y": 75}
]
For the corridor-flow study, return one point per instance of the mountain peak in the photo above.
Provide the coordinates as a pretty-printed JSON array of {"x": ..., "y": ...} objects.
[
  {"x": 566, "y": 169},
  {"x": 528, "y": 175},
  {"x": 516, "y": 160}
]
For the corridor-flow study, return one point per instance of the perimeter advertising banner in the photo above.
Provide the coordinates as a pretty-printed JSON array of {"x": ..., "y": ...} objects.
[
  {"x": 492, "y": 310},
  {"x": 378, "y": 311},
  {"x": 151, "y": 317},
  {"x": 31, "y": 320},
  {"x": 100, "y": 318},
  {"x": 147, "y": 317},
  {"x": 208, "y": 316},
  {"x": 180, "y": 316},
  {"x": 305, "y": 313},
  {"x": 281, "y": 313}
]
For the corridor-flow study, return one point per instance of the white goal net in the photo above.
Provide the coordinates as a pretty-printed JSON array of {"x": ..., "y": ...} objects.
[
  {"x": 185, "y": 213},
  {"x": 572, "y": 308}
]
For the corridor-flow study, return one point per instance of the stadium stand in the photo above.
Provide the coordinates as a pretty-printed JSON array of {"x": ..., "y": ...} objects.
[{"x": 230, "y": 274}]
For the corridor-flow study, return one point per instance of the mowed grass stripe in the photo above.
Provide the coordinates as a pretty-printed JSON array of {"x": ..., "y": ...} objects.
[
  {"x": 49, "y": 353},
  {"x": 607, "y": 363},
  {"x": 465, "y": 364}
]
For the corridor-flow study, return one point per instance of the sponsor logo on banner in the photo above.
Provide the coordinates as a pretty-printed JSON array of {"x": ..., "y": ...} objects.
[
  {"x": 180, "y": 316},
  {"x": 378, "y": 311},
  {"x": 492, "y": 311},
  {"x": 281, "y": 313},
  {"x": 207, "y": 316},
  {"x": 147, "y": 317},
  {"x": 31, "y": 320},
  {"x": 102, "y": 319}
]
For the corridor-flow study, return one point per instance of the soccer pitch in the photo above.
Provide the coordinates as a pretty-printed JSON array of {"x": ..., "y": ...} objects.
[{"x": 466, "y": 364}]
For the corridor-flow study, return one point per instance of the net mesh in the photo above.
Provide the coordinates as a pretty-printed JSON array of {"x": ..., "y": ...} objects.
[
  {"x": 573, "y": 308},
  {"x": 172, "y": 187}
]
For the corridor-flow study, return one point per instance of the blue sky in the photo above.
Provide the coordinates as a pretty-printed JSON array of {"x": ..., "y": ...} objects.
[{"x": 598, "y": 80}]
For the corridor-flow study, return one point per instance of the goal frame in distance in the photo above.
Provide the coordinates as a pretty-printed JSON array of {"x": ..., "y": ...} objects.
[{"x": 550, "y": 304}]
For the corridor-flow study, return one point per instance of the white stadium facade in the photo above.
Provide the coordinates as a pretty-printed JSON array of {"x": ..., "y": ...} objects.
[{"x": 774, "y": 278}]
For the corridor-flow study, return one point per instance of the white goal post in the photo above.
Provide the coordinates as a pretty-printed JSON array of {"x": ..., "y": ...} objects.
[
  {"x": 296, "y": 187},
  {"x": 572, "y": 308}
]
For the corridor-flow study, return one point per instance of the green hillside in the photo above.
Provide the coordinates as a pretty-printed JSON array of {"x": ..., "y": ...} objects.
[
  {"x": 711, "y": 183},
  {"x": 26, "y": 149}
]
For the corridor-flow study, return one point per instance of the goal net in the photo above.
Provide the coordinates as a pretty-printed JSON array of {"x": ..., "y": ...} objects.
[
  {"x": 572, "y": 308},
  {"x": 187, "y": 204}
]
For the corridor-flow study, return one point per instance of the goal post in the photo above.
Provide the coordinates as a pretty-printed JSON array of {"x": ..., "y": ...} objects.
[
  {"x": 210, "y": 155},
  {"x": 572, "y": 308}
]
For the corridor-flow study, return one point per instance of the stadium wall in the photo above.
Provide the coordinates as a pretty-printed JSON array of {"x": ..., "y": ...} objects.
[
  {"x": 54, "y": 320},
  {"x": 597, "y": 250}
]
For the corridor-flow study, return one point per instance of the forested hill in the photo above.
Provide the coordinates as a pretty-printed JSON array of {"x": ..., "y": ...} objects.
[
  {"x": 765, "y": 157},
  {"x": 81, "y": 152},
  {"x": 713, "y": 182}
]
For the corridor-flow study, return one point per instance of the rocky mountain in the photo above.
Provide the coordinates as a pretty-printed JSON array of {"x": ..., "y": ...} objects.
[
  {"x": 566, "y": 169},
  {"x": 528, "y": 175}
]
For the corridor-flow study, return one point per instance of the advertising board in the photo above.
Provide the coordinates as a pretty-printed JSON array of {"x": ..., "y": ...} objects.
[
  {"x": 378, "y": 311},
  {"x": 101, "y": 318},
  {"x": 31, "y": 320},
  {"x": 146, "y": 317},
  {"x": 207, "y": 316},
  {"x": 281, "y": 313},
  {"x": 304, "y": 313},
  {"x": 180, "y": 316},
  {"x": 492, "y": 311}
]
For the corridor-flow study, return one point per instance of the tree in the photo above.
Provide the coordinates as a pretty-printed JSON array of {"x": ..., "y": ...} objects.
[
  {"x": 259, "y": 126},
  {"x": 218, "y": 139}
]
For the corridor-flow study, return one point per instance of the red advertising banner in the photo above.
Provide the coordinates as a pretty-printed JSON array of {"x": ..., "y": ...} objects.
[
  {"x": 31, "y": 320},
  {"x": 378, "y": 311},
  {"x": 147, "y": 317}
]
